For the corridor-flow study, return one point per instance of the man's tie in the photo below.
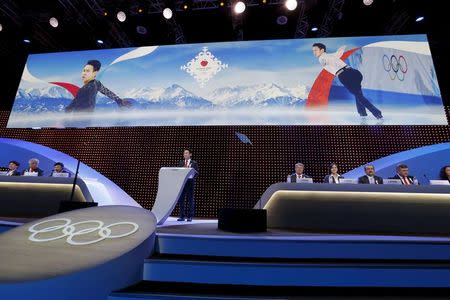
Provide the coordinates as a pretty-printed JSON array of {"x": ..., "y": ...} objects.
[
  {"x": 186, "y": 163},
  {"x": 406, "y": 180}
]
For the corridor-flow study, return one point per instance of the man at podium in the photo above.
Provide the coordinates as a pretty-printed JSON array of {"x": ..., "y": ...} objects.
[{"x": 188, "y": 191}]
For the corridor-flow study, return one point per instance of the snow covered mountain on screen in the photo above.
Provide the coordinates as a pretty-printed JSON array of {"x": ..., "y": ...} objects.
[
  {"x": 173, "y": 96},
  {"x": 54, "y": 98},
  {"x": 259, "y": 95},
  {"x": 50, "y": 92},
  {"x": 51, "y": 98}
]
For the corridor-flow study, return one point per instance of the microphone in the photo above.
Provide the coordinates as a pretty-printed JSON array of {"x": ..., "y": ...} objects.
[{"x": 75, "y": 178}]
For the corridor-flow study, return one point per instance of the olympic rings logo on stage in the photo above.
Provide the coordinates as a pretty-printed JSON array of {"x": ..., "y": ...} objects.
[
  {"x": 70, "y": 232},
  {"x": 395, "y": 66}
]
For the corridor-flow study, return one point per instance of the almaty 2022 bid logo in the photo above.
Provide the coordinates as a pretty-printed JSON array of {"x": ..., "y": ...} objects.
[{"x": 204, "y": 66}]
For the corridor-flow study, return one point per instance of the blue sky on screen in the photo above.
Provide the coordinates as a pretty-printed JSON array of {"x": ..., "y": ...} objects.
[{"x": 287, "y": 62}]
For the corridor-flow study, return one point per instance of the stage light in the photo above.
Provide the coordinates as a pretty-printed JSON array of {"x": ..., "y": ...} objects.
[
  {"x": 314, "y": 29},
  {"x": 167, "y": 13},
  {"x": 264, "y": 1},
  {"x": 222, "y": 4},
  {"x": 367, "y": 2},
  {"x": 26, "y": 41},
  {"x": 185, "y": 6},
  {"x": 1, "y": 27},
  {"x": 121, "y": 16},
  {"x": 419, "y": 19},
  {"x": 53, "y": 22},
  {"x": 282, "y": 20},
  {"x": 140, "y": 10},
  {"x": 141, "y": 29},
  {"x": 100, "y": 42},
  {"x": 105, "y": 13},
  {"x": 291, "y": 4},
  {"x": 239, "y": 7}
]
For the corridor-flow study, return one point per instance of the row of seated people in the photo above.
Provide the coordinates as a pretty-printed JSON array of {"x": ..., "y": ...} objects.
[
  {"x": 369, "y": 178},
  {"x": 34, "y": 170}
]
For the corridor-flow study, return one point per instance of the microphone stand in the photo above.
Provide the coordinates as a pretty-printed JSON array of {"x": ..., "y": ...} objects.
[
  {"x": 72, "y": 194},
  {"x": 426, "y": 177},
  {"x": 75, "y": 181}
]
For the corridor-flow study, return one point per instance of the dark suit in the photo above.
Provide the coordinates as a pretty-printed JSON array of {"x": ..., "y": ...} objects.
[
  {"x": 327, "y": 179},
  {"x": 365, "y": 180},
  {"x": 409, "y": 178},
  {"x": 188, "y": 191},
  {"x": 39, "y": 171},
  {"x": 14, "y": 173},
  {"x": 294, "y": 177}
]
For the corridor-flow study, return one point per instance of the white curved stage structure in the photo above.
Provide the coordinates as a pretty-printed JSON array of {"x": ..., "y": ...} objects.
[
  {"x": 170, "y": 186},
  {"x": 82, "y": 254}
]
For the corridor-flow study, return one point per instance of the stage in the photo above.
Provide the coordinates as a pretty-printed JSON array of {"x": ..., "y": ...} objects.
[{"x": 198, "y": 252}]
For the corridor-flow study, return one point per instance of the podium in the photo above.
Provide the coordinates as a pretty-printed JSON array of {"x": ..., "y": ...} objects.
[{"x": 171, "y": 183}]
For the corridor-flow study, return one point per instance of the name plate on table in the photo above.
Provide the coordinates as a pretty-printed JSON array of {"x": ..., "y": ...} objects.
[
  {"x": 304, "y": 180},
  {"x": 3, "y": 173},
  {"x": 348, "y": 181},
  {"x": 439, "y": 182},
  {"x": 392, "y": 181},
  {"x": 30, "y": 174},
  {"x": 64, "y": 175}
]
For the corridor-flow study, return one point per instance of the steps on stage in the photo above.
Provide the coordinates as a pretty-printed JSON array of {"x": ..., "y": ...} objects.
[
  {"x": 197, "y": 261},
  {"x": 297, "y": 273},
  {"x": 186, "y": 291}
]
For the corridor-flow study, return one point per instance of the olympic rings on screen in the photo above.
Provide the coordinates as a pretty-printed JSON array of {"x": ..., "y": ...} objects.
[
  {"x": 395, "y": 66},
  {"x": 69, "y": 231}
]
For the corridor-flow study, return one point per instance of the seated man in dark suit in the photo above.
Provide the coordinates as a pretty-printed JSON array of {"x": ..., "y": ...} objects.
[
  {"x": 58, "y": 168},
  {"x": 188, "y": 191},
  {"x": 370, "y": 177},
  {"x": 299, "y": 168},
  {"x": 13, "y": 167},
  {"x": 403, "y": 175},
  {"x": 33, "y": 168}
]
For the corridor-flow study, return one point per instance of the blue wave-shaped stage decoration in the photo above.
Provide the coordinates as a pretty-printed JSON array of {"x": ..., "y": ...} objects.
[
  {"x": 103, "y": 190},
  {"x": 424, "y": 163}
]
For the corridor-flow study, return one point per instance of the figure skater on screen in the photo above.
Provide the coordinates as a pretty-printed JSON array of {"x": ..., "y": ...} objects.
[
  {"x": 84, "y": 100},
  {"x": 350, "y": 78}
]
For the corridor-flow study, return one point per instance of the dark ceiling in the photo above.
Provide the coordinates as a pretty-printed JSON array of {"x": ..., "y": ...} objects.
[{"x": 82, "y": 22}]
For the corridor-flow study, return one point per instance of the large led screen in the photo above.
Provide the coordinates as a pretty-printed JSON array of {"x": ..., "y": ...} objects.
[{"x": 383, "y": 80}]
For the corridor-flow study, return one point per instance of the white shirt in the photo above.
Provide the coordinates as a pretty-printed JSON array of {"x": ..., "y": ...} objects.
[
  {"x": 188, "y": 163},
  {"x": 371, "y": 179},
  {"x": 405, "y": 180},
  {"x": 332, "y": 62},
  {"x": 336, "y": 178},
  {"x": 297, "y": 178}
]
